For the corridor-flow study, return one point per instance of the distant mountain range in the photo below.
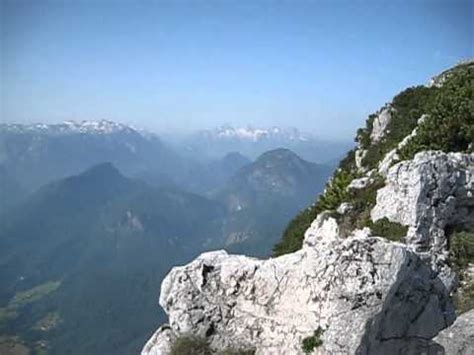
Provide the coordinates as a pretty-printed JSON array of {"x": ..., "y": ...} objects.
[
  {"x": 262, "y": 197},
  {"x": 252, "y": 142},
  {"x": 38, "y": 153},
  {"x": 94, "y": 214}
]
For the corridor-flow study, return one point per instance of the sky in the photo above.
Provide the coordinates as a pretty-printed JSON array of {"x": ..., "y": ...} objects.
[{"x": 177, "y": 66}]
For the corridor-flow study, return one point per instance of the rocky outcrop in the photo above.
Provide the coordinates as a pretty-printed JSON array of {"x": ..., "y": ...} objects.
[
  {"x": 357, "y": 292},
  {"x": 429, "y": 194},
  {"x": 370, "y": 296},
  {"x": 345, "y": 286},
  {"x": 380, "y": 124},
  {"x": 161, "y": 342},
  {"x": 458, "y": 339}
]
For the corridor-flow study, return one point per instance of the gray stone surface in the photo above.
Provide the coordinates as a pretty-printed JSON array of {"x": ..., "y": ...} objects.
[
  {"x": 458, "y": 339},
  {"x": 428, "y": 194},
  {"x": 345, "y": 286}
]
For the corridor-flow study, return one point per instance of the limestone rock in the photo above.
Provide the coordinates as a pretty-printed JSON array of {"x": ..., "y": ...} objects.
[
  {"x": 359, "y": 157},
  {"x": 428, "y": 194},
  {"x": 458, "y": 339},
  {"x": 161, "y": 342},
  {"x": 380, "y": 124},
  {"x": 369, "y": 295},
  {"x": 344, "y": 208}
]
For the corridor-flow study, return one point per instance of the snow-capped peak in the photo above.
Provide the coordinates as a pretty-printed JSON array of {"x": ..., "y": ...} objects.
[
  {"x": 70, "y": 127},
  {"x": 257, "y": 134}
]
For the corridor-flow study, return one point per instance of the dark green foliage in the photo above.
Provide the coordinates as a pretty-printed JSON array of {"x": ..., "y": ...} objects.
[
  {"x": 362, "y": 202},
  {"x": 390, "y": 230},
  {"x": 462, "y": 254},
  {"x": 363, "y": 134},
  {"x": 348, "y": 162},
  {"x": 336, "y": 191},
  {"x": 450, "y": 124},
  {"x": 462, "y": 249},
  {"x": 191, "y": 345},
  {"x": 313, "y": 342}
]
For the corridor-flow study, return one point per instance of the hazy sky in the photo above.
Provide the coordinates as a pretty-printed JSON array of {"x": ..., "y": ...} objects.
[{"x": 321, "y": 66}]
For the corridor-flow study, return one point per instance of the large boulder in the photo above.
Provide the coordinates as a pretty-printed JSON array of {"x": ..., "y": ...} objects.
[
  {"x": 458, "y": 339},
  {"x": 367, "y": 295}
]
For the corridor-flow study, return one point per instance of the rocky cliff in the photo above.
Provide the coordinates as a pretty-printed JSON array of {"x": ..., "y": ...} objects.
[{"x": 385, "y": 261}]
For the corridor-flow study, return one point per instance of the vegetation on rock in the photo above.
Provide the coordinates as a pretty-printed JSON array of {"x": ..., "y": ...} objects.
[
  {"x": 462, "y": 249},
  {"x": 447, "y": 126},
  {"x": 193, "y": 345},
  {"x": 313, "y": 342},
  {"x": 361, "y": 201},
  {"x": 462, "y": 257},
  {"x": 407, "y": 108},
  {"x": 390, "y": 230}
]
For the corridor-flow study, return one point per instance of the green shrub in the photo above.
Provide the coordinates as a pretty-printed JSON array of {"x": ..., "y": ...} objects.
[
  {"x": 363, "y": 134},
  {"x": 450, "y": 124},
  {"x": 462, "y": 249},
  {"x": 390, "y": 230},
  {"x": 461, "y": 245},
  {"x": 191, "y": 345},
  {"x": 313, "y": 342},
  {"x": 362, "y": 202}
]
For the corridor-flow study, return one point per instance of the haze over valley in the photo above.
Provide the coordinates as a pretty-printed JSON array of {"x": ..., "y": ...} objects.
[
  {"x": 246, "y": 177},
  {"x": 92, "y": 206}
]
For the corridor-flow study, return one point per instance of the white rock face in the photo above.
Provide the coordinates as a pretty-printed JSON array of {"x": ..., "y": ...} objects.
[
  {"x": 428, "y": 194},
  {"x": 458, "y": 339},
  {"x": 344, "y": 208},
  {"x": 381, "y": 122},
  {"x": 356, "y": 289},
  {"x": 161, "y": 342},
  {"x": 359, "y": 157},
  {"x": 360, "y": 183}
]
